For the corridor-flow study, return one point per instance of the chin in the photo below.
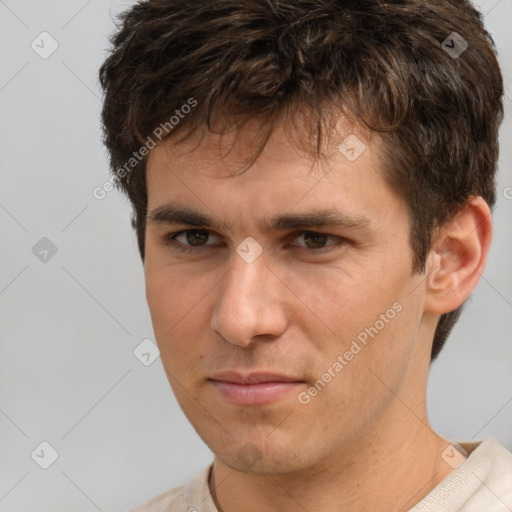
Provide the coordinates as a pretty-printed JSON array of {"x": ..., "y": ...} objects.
[{"x": 266, "y": 459}]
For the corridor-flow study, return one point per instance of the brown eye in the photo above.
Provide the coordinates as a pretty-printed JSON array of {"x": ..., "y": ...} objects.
[
  {"x": 188, "y": 240},
  {"x": 315, "y": 240},
  {"x": 313, "y": 243},
  {"x": 195, "y": 237}
]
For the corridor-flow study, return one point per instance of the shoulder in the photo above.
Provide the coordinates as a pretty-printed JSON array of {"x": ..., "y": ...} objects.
[
  {"x": 490, "y": 458},
  {"x": 483, "y": 481},
  {"x": 173, "y": 499}
]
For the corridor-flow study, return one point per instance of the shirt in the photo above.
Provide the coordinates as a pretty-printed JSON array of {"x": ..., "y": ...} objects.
[{"x": 481, "y": 483}]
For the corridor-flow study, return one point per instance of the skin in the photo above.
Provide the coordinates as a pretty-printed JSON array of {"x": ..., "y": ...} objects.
[{"x": 364, "y": 442}]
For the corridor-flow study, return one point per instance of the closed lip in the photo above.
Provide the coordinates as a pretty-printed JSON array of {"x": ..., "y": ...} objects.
[{"x": 252, "y": 378}]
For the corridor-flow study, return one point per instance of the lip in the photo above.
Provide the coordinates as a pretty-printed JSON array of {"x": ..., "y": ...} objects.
[
  {"x": 252, "y": 378},
  {"x": 257, "y": 388}
]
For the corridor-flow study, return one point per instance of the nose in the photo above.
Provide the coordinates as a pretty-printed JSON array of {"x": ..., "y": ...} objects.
[{"x": 250, "y": 302}]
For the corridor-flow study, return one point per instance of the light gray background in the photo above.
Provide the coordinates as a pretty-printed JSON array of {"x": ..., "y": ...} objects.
[{"x": 69, "y": 326}]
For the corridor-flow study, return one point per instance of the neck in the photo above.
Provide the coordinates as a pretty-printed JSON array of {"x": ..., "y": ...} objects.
[{"x": 390, "y": 468}]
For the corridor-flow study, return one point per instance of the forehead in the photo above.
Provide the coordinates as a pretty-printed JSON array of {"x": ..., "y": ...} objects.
[
  {"x": 237, "y": 148},
  {"x": 344, "y": 181}
]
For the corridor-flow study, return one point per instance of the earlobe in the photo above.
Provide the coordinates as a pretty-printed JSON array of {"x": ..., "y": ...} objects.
[{"x": 458, "y": 257}]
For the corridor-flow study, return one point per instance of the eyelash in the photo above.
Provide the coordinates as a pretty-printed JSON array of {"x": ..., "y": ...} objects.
[{"x": 170, "y": 241}]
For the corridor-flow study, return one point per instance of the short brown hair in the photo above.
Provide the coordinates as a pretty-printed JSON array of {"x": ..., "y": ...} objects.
[{"x": 386, "y": 63}]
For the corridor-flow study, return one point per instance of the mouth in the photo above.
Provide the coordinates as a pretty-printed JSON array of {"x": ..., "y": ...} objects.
[{"x": 257, "y": 388}]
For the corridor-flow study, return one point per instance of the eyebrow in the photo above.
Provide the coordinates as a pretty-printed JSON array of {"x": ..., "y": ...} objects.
[{"x": 325, "y": 218}]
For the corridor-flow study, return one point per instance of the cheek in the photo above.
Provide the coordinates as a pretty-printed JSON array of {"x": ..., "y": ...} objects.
[
  {"x": 162, "y": 296},
  {"x": 341, "y": 302},
  {"x": 371, "y": 316},
  {"x": 172, "y": 292},
  {"x": 166, "y": 296},
  {"x": 356, "y": 380},
  {"x": 178, "y": 306}
]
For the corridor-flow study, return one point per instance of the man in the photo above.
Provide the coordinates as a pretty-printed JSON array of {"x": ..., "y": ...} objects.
[{"x": 311, "y": 183}]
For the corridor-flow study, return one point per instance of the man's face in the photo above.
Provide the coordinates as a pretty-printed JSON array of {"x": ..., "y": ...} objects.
[{"x": 332, "y": 311}]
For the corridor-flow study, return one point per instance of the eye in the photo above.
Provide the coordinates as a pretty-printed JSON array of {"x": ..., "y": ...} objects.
[
  {"x": 188, "y": 240},
  {"x": 192, "y": 240},
  {"x": 316, "y": 241}
]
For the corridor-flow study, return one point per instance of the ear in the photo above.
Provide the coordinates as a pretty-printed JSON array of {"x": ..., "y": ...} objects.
[{"x": 458, "y": 257}]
